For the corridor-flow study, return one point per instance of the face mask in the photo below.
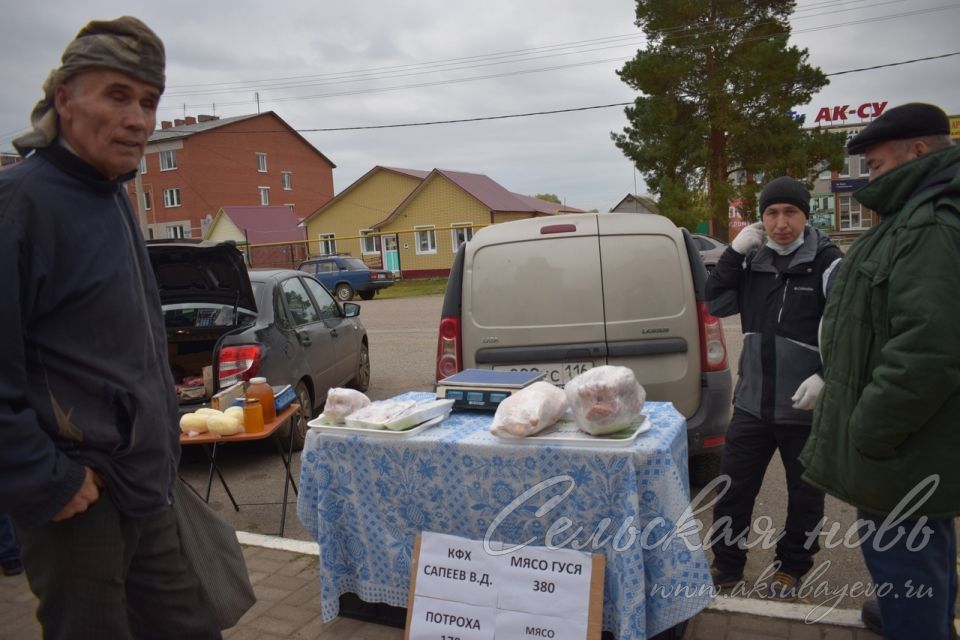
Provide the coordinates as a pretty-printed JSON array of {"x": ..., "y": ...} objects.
[{"x": 785, "y": 249}]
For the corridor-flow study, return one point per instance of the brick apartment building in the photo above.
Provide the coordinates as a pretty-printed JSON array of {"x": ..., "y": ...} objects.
[{"x": 195, "y": 166}]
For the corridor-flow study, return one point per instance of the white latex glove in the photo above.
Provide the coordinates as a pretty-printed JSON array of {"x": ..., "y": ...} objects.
[
  {"x": 748, "y": 239},
  {"x": 805, "y": 399}
]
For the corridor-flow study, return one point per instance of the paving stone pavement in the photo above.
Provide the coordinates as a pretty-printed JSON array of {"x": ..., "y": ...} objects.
[{"x": 288, "y": 607}]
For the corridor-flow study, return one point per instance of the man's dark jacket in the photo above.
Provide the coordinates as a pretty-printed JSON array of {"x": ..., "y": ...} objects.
[
  {"x": 889, "y": 415},
  {"x": 779, "y": 313},
  {"x": 84, "y": 378}
]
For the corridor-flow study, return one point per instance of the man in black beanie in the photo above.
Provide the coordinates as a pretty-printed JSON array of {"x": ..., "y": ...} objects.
[
  {"x": 775, "y": 274},
  {"x": 886, "y": 426}
]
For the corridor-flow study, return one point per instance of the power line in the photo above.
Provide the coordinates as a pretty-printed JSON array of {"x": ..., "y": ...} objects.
[
  {"x": 419, "y": 85},
  {"x": 894, "y": 64},
  {"x": 510, "y": 57},
  {"x": 478, "y": 119},
  {"x": 573, "y": 109}
]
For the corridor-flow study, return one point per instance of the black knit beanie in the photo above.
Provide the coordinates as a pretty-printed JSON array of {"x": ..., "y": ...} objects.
[{"x": 785, "y": 190}]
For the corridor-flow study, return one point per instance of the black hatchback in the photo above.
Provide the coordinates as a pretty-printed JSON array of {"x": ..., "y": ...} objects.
[{"x": 278, "y": 323}]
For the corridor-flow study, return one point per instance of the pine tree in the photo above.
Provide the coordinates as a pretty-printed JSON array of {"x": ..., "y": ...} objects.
[{"x": 718, "y": 81}]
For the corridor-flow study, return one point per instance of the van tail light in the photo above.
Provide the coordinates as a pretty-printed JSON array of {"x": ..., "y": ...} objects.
[
  {"x": 238, "y": 364},
  {"x": 449, "y": 360},
  {"x": 713, "y": 347}
]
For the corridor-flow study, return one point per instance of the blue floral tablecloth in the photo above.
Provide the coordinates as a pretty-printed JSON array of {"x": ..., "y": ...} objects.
[{"x": 365, "y": 498}]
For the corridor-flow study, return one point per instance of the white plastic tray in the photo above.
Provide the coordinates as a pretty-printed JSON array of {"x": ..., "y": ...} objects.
[
  {"x": 416, "y": 414},
  {"x": 319, "y": 424},
  {"x": 566, "y": 432}
]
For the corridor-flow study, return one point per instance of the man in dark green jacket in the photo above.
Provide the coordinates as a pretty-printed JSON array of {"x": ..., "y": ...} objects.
[{"x": 886, "y": 431}]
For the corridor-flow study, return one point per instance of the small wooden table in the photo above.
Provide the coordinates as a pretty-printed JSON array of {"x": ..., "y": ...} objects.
[{"x": 211, "y": 441}]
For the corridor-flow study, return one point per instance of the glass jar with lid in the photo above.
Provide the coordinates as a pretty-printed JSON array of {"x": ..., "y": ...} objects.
[{"x": 260, "y": 390}]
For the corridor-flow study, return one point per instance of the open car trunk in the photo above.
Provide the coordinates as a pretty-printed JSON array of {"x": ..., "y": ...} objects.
[
  {"x": 190, "y": 351},
  {"x": 206, "y": 294}
]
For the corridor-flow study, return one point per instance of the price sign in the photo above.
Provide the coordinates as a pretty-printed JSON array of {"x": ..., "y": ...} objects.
[
  {"x": 454, "y": 568},
  {"x": 450, "y": 620},
  {"x": 553, "y": 582},
  {"x": 460, "y": 591},
  {"x": 513, "y": 624}
]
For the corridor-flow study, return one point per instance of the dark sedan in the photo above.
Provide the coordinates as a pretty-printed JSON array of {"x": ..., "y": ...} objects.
[
  {"x": 278, "y": 323},
  {"x": 710, "y": 249}
]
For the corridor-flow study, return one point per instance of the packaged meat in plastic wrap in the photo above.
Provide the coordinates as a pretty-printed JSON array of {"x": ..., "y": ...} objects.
[
  {"x": 342, "y": 402},
  {"x": 605, "y": 399},
  {"x": 529, "y": 410}
]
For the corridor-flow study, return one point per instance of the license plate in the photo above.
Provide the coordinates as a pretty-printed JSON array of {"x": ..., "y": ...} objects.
[{"x": 558, "y": 373}]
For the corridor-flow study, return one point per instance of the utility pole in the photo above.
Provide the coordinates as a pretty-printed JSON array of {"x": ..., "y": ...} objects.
[{"x": 141, "y": 203}]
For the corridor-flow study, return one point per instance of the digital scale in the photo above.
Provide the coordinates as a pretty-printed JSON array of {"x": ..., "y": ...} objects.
[{"x": 484, "y": 389}]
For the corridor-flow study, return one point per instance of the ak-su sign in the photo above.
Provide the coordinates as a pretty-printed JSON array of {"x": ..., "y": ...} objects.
[{"x": 841, "y": 112}]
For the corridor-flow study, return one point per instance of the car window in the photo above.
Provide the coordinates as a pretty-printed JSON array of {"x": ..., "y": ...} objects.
[
  {"x": 702, "y": 243},
  {"x": 328, "y": 307},
  {"x": 299, "y": 303},
  {"x": 201, "y": 314},
  {"x": 327, "y": 267},
  {"x": 309, "y": 267},
  {"x": 355, "y": 264}
]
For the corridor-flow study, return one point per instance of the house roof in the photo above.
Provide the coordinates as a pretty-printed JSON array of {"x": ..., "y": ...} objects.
[
  {"x": 495, "y": 197},
  {"x": 187, "y": 130},
  {"x": 413, "y": 173},
  {"x": 646, "y": 202},
  {"x": 264, "y": 224},
  {"x": 489, "y": 193}
]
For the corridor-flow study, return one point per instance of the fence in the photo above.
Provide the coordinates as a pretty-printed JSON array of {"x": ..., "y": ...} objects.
[{"x": 289, "y": 255}]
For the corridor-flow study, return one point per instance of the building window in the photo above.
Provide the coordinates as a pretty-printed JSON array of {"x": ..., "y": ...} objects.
[
  {"x": 426, "y": 239},
  {"x": 264, "y": 195},
  {"x": 369, "y": 243},
  {"x": 328, "y": 244},
  {"x": 174, "y": 231},
  {"x": 168, "y": 160},
  {"x": 864, "y": 171},
  {"x": 845, "y": 169},
  {"x": 143, "y": 165},
  {"x": 147, "y": 201},
  {"x": 460, "y": 233},
  {"x": 171, "y": 198},
  {"x": 286, "y": 179},
  {"x": 852, "y": 216},
  {"x": 262, "y": 162}
]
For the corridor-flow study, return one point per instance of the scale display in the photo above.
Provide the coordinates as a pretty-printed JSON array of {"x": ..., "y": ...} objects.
[{"x": 484, "y": 389}]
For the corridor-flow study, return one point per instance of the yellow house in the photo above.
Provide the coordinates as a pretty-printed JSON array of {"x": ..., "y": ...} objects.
[{"x": 413, "y": 222}]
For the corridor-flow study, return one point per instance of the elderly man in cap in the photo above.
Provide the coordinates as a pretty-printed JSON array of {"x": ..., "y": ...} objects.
[
  {"x": 775, "y": 274},
  {"x": 886, "y": 433},
  {"x": 88, "y": 418}
]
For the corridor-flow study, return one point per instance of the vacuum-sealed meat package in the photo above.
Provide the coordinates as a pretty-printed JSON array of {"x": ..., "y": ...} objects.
[
  {"x": 529, "y": 410},
  {"x": 342, "y": 402},
  {"x": 605, "y": 399}
]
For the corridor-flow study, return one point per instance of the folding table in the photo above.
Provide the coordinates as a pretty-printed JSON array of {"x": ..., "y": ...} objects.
[{"x": 210, "y": 442}]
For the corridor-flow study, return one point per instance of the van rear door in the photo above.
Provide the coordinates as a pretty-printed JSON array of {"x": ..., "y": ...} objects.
[
  {"x": 532, "y": 298},
  {"x": 650, "y": 307}
]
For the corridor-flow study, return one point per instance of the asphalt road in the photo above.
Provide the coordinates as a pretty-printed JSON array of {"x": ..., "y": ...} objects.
[{"x": 402, "y": 334}]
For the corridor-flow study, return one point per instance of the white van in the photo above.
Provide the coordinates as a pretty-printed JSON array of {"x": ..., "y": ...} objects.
[{"x": 562, "y": 294}]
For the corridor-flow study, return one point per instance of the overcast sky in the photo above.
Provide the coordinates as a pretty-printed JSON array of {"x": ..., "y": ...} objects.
[{"x": 331, "y": 64}]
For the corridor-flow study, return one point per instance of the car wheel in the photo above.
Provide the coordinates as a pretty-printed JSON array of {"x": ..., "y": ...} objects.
[
  {"x": 704, "y": 468},
  {"x": 344, "y": 292},
  {"x": 362, "y": 380},
  {"x": 367, "y": 295},
  {"x": 297, "y": 427}
]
